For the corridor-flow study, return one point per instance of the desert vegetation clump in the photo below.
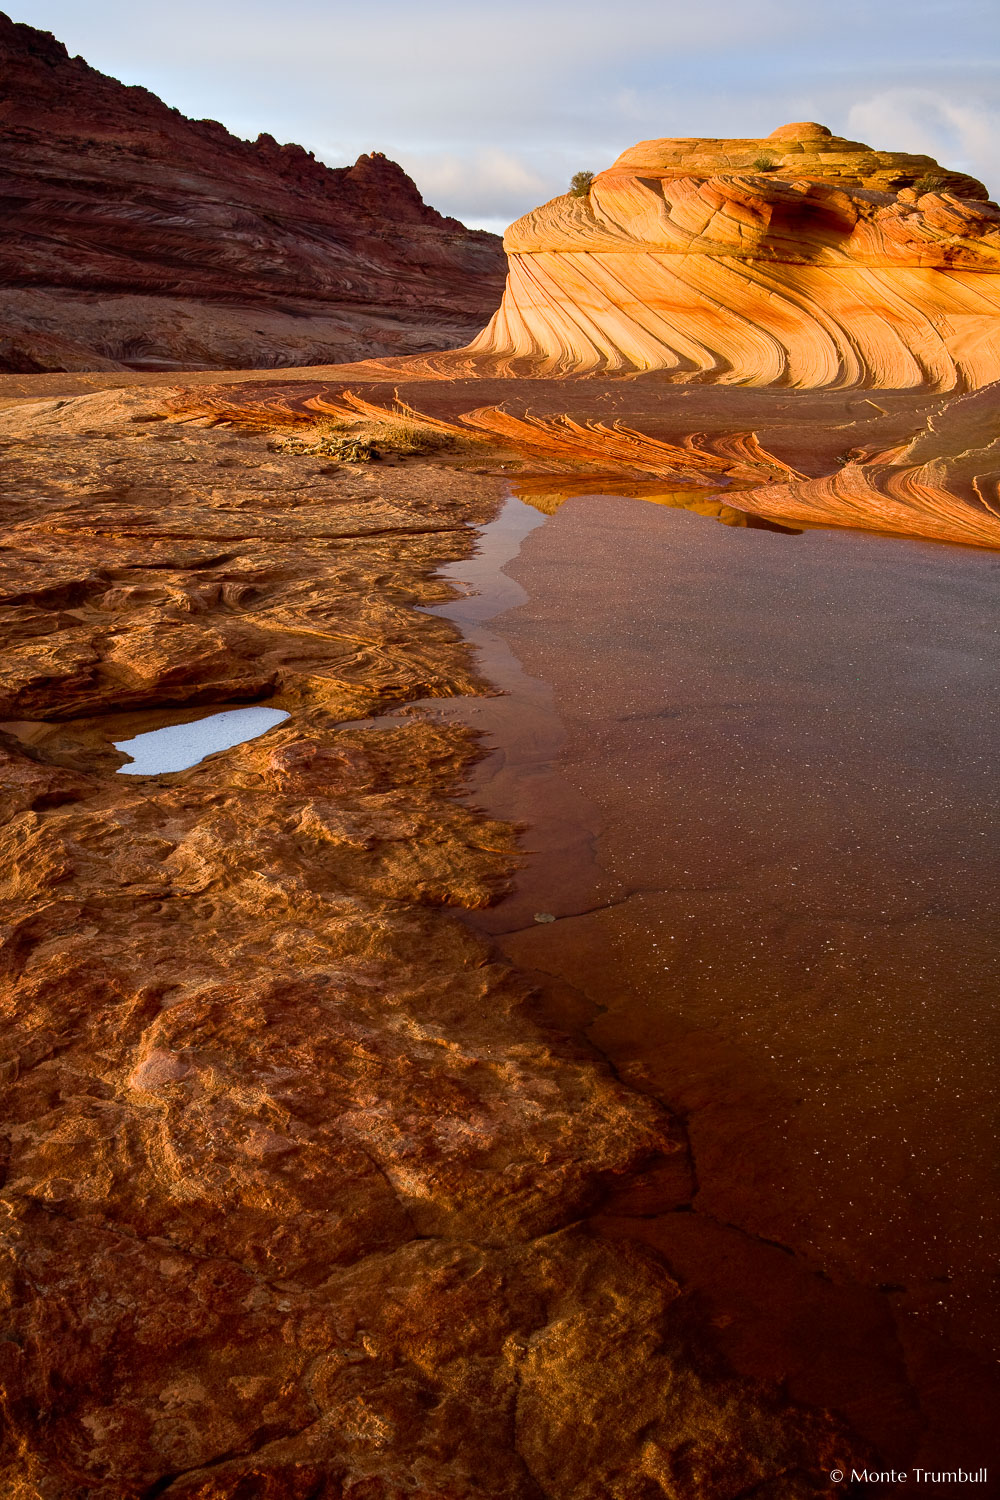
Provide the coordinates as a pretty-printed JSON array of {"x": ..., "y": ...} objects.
[
  {"x": 929, "y": 183},
  {"x": 328, "y": 440},
  {"x": 369, "y": 439},
  {"x": 579, "y": 185},
  {"x": 765, "y": 164}
]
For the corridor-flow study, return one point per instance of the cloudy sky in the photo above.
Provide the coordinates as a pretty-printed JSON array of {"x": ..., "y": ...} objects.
[{"x": 492, "y": 108}]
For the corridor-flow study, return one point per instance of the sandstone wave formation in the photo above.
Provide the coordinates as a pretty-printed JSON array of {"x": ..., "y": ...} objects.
[
  {"x": 940, "y": 481},
  {"x": 134, "y": 238},
  {"x": 801, "y": 259}
]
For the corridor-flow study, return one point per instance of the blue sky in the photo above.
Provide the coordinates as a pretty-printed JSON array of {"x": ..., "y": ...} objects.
[{"x": 492, "y": 108}]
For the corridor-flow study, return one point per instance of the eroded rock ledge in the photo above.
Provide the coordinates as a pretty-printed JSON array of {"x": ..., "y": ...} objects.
[
  {"x": 295, "y": 1190},
  {"x": 912, "y": 466}
]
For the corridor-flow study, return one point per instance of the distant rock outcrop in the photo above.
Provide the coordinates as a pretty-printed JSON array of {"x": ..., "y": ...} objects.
[
  {"x": 133, "y": 237},
  {"x": 802, "y": 259}
]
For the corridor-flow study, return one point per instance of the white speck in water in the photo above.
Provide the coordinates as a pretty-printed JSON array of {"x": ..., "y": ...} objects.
[{"x": 178, "y": 746}]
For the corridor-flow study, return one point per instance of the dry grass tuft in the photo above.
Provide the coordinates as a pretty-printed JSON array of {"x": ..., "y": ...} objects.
[{"x": 374, "y": 435}]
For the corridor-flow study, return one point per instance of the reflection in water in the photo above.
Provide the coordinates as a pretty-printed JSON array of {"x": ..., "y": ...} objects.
[
  {"x": 178, "y": 746},
  {"x": 521, "y": 779},
  {"x": 547, "y": 494}
]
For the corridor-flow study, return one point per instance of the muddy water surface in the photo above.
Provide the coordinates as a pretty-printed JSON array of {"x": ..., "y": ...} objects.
[{"x": 759, "y": 773}]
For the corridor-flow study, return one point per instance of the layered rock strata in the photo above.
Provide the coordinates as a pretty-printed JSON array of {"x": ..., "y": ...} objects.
[
  {"x": 800, "y": 259},
  {"x": 295, "y": 1189},
  {"x": 133, "y": 237},
  {"x": 944, "y": 485},
  {"x": 941, "y": 483}
]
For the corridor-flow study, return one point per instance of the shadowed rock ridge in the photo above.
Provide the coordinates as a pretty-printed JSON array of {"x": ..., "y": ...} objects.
[
  {"x": 800, "y": 259},
  {"x": 133, "y": 237}
]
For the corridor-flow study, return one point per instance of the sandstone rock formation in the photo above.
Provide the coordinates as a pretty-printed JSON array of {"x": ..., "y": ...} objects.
[
  {"x": 295, "y": 1187},
  {"x": 133, "y": 237},
  {"x": 304, "y": 1193},
  {"x": 801, "y": 259},
  {"x": 943, "y": 485},
  {"x": 940, "y": 480}
]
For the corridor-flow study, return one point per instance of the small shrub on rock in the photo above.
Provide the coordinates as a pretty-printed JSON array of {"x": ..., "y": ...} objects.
[
  {"x": 580, "y": 184},
  {"x": 331, "y": 442},
  {"x": 367, "y": 440}
]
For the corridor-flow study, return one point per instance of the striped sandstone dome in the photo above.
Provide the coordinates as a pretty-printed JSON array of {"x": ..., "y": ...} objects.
[{"x": 800, "y": 259}]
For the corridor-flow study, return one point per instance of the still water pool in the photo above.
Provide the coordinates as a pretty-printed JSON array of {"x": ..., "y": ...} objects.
[
  {"x": 758, "y": 774},
  {"x": 178, "y": 746}
]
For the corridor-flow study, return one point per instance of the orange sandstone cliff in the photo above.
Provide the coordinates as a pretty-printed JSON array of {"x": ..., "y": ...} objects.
[{"x": 801, "y": 259}]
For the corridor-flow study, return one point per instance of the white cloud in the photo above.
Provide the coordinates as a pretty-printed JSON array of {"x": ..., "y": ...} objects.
[
  {"x": 963, "y": 136},
  {"x": 493, "y": 184}
]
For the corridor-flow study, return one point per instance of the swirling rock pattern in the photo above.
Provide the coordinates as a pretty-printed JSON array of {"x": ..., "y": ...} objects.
[
  {"x": 944, "y": 485},
  {"x": 801, "y": 259},
  {"x": 941, "y": 485},
  {"x": 134, "y": 238}
]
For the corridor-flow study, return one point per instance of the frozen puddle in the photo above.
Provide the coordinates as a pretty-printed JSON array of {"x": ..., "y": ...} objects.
[{"x": 181, "y": 745}]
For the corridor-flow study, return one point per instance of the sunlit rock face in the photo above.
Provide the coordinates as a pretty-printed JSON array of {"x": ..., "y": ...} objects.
[{"x": 801, "y": 259}]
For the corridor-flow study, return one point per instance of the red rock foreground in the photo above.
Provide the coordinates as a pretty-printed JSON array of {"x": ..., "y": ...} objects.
[
  {"x": 801, "y": 259},
  {"x": 296, "y": 1192},
  {"x": 134, "y": 238}
]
